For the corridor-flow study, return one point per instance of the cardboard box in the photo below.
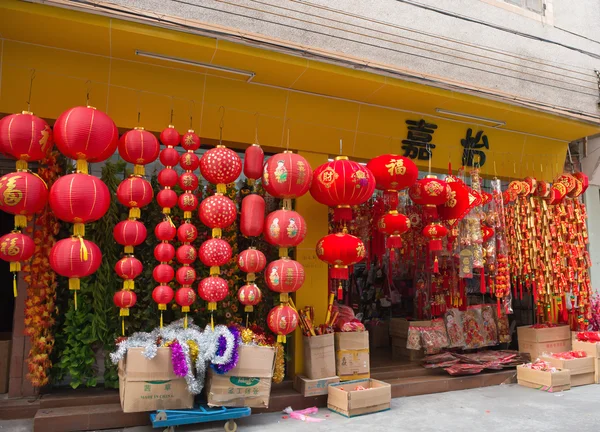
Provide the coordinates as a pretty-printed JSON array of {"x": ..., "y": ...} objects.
[
  {"x": 246, "y": 385},
  {"x": 319, "y": 356},
  {"x": 316, "y": 387},
  {"x": 593, "y": 350},
  {"x": 150, "y": 385},
  {"x": 582, "y": 369},
  {"x": 352, "y": 355},
  {"x": 545, "y": 381},
  {"x": 400, "y": 352},
  {"x": 379, "y": 334},
  {"x": 5, "y": 350},
  {"x": 399, "y": 326},
  {"x": 543, "y": 341},
  {"x": 345, "y": 399}
]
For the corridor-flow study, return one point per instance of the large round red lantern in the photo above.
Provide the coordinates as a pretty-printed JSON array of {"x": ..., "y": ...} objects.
[
  {"x": 84, "y": 133},
  {"x": 220, "y": 166},
  {"x": 217, "y": 212},
  {"x": 190, "y": 141},
  {"x": 213, "y": 289},
  {"x": 284, "y": 276},
  {"x": 435, "y": 232},
  {"x": 135, "y": 193},
  {"x": 284, "y": 228},
  {"x": 251, "y": 261},
  {"x": 163, "y": 274},
  {"x": 169, "y": 137},
  {"x": 214, "y": 253},
  {"x": 124, "y": 300},
  {"x": 254, "y": 159},
  {"x": 341, "y": 184},
  {"x": 188, "y": 202},
  {"x": 139, "y": 147},
  {"x": 186, "y": 254},
  {"x": 130, "y": 233},
  {"x": 164, "y": 252},
  {"x": 459, "y": 203},
  {"x": 22, "y": 194},
  {"x": 25, "y": 137},
  {"x": 249, "y": 295},
  {"x": 252, "y": 217},
  {"x": 167, "y": 199},
  {"x": 79, "y": 199},
  {"x": 168, "y": 177},
  {"x": 287, "y": 175},
  {"x": 128, "y": 268},
  {"x": 430, "y": 192},
  {"x": 340, "y": 250},
  {"x": 187, "y": 233},
  {"x": 393, "y": 173},
  {"x": 14, "y": 248},
  {"x": 165, "y": 230},
  {"x": 282, "y": 320},
  {"x": 393, "y": 224}
]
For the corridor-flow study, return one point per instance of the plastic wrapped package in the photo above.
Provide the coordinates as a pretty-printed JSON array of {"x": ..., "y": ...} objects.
[{"x": 435, "y": 337}]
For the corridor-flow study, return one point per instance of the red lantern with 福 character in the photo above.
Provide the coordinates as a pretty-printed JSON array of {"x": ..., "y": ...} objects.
[
  {"x": 249, "y": 295},
  {"x": 287, "y": 175},
  {"x": 163, "y": 273},
  {"x": 393, "y": 173},
  {"x": 139, "y": 147},
  {"x": 135, "y": 193},
  {"x": 214, "y": 253},
  {"x": 282, "y": 320},
  {"x": 284, "y": 276},
  {"x": 162, "y": 296},
  {"x": 342, "y": 184},
  {"x": 25, "y": 137},
  {"x": 14, "y": 248},
  {"x": 130, "y": 233},
  {"x": 254, "y": 160},
  {"x": 393, "y": 224},
  {"x": 220, "y": 166},
  {"x": 185, "y": 297},
  {"x": 22, "y": 194},
  {"x": 284, "y": 228},
  {"x": 124, "y": 300},
  {"x": 429, "y": 193},
  {"x": 217, "y": 212},
  {"x": 251, "y": 261},
  {"x": 460, "y": 202},
  {"x": 252, "y": 217},
  {"x": 128, "y": 268}
]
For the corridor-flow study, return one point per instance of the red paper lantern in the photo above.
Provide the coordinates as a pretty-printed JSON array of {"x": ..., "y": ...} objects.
[
  {"x": 459, "y": 203},
  {"x": 186, "y": 254},
  {"x": 185, "y": 275},
  {"x": 393, "y": 173},
  {"x": 187, "y": 203},
  {"x": 163, "y": 274},
  {"x": 189, "y": 161},
  {"x": 169, "y": 136},
  {"x": 190, "y": 141},
  {"x": 393, "y": 224},
  {"x": 75, "y": 257},
  {"x": 251, "y": 261},
  {"x": 282, "y": 320},
  {"x": 217, "y": 212},
  {"x": 22, "y": 194},
  {"x": 188, "y": 181},
  {"x": 79, "y": 199},
  {"x": 249, "y": 295},
  {"x": 213, "y": 289},
  {"x": 14, "y": 248},
  {"x": 430, "y": 192},
  {"x": 25, "y": 137},
  {"x": 167, "y": 199},
  {"x": 342, "y": 184},
  {"x": 168, "y": 177},
  {"x": 135, "y": 193},
  {"x": 486, "y": 233},
  {"x": 214, "y": 253},
  {"x": 164, "y": 252},
  {"x": 220, "y": 166},
  {"x": 169, "y": 157},
  {"x": 287, "y": 175},
  {"x": 585, "y": 181},
  {"x": 252, "y": 217},
  {"x": 435, "y": 232},
  {"x": 284, "y": 276},
  {"x": 84, "y": 133},
  {"x": 128, "y": 268},
  {"x": 162, "y": 295},
  {"x": 165, "y": 230},
  {"x": 187, "y": 233},
  {"x": 285, "y": 228},
  {"x": 124, "y": 300},
  {"x": 254, "y": 160},
  {"x": 340, "y": 250},
  {"x": 139, "y": 147},
  {"x": 185, "y": 297},
  {"x": 130, "y": 233}
]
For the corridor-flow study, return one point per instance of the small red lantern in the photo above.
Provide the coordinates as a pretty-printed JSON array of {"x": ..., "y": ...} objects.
[
  {"x": 79, "y": 199},
  {"x": 284, "y": 276},
  {"x": 168, "y": 177},
  {"x": 340, "y": 250},
  {"x": 169, "y": 136},
  {"x": 139, "y": 147},
  {"x": 163, "y": 273},
  {"x": 167, "y": 199},
  {"x": 162, "y": 295},
  {"x": 393, "y": 224},
  {"x": 249, "y": 295},
  {"x": 164, "y": 252},
  {"x": 187, "y": 203},
  {"x": 435, "y": 232},
  {"x": 185, "y": 297},
  {"x": 135, "y": 193},
  {"x": 486, "y": 233},
  {"x": 254, "y": 160},
  {"x": 128, "y": 268},
  {"x": 214, "y": 253},
  {"x": 282, "y": 320},
  {"x": 187, "y": 233},
  {"x": 169, "y": 157},
  {"x": 284, "y": 228},
  {"x": 186, "y": 254},
  {"x": 459, "y": 203},
  {"x": 124, "y": 300},
  {"x": 22, "y": 194},
  {"x": 165, "y": 230},
  {"x": 84, "y": 133},
  {"x": 213, "y": 289},
  {"x": 190, "y": 141},
  {"x": 342, "y": 184},
  {"x": 430, "y": 192},
  {"x": 185, "y": 275},
  {"x": 189, "y": 161},
  {"x": 217, "y": 212},
  {"x": 14, "y": 248},
  {"x": 252, "y": 217},
  {"x": 287, "y": 175},
  {"x": 251, "y": 261},
  {"x": 25, "y": 137},
  {"x": 130, "y": 233},
  {"x": 393, "y": 173},
  {"x": 220, "y": 166},
  {"x": 188, "y": 181}
]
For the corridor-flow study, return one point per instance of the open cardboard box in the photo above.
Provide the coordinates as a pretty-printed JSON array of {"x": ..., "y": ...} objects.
[
  {"x": 319, "y": 356},
  {"x": 317, "y": 387},
  {"x": 346, "y": 398},
  {"x": 545, "y": 340},
  {"x": 582, "y": 369},
  {"x": 352, "y": 355},
  {"x": 551, "y": 382},
  {"x": 593, "y": 350}
]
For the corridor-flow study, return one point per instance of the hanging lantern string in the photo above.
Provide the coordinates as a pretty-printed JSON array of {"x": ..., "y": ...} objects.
[
  {"x": 172, "y": 111},
  {"x": 31, "y": 78},
  {"x": 341, "y": 145},
  {"x": 256, "y": 118},
  {"x": 88, "y": 84},
  {"x": 192, "y": 108},
  {"x": 570, "y": 158},
  {"x": 139, "y": 102},
  {"x": 429, "y": 157},
  {"x": 221, "y": 124}
]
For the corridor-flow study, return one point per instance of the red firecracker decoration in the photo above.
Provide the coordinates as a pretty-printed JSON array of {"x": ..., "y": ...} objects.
[
  {"x": 430, "y": 192},
  {"x": 185, "y": 297},
  {"x": 135, "y": 193},
  {"x": 162, "y": 295},
  {"x": 287, "y": 175},
  {"x": 217, "y": 212},
  {"x": 393, "y": 224},
  {"x": 214, "y": 253},
  {"x": 393, "y": 173},
  {"x": 252, "y": 217},
  {"x": 282, "y": 320},
  {"x": 130, "y": 233},
  {"x": 14, "y": 248},
  {"x": 435, "y": 232},
  {"x": 124, "y": 300},
  {"x": 254, "y": 160},
  {"x": 128, "y": 268},
  {"x": 22, "y": 194},
  {"x": 251, "y": 261},
  {"x": 249, "y": 295},
  {"x": 284, "y": 228},
  {"x": 25, "y": 137},
  {"x": 220, "y": 166},
  {"x": 284, "y": 276},
  {"x": 342, "y": 184},
  {"x": 139, "y": 147}
]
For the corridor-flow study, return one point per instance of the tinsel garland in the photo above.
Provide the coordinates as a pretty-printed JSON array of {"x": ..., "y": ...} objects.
[
  {"x": 178, "y": 359},
  {"x": 226, "y": 346}
]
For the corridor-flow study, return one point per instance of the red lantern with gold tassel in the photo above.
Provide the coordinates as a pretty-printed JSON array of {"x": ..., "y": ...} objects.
[
  {"x": 284, "y": 276},
  {"x": 25, "y": 137},
  {"x": 185, "y": 297},
  {"x": 162, "y": 295},
  {"x": 393, "y": 173},
  {"x": 130, "y": 233},
  {"x": 14, "y": 248},
  {"x": 22, "y": 194},
  {"x": 435, "y": 232},
  {"x": 213, "y": 289},
  {"x": 124, "y": 300},
  {"x": 254, "y": 160},
  {"x": 252, "y": 217},
  {"x": 217, "y": 212},
  {"x": 251, "y": 261},
  {"x": 214, "y": 253},
  {"x": 282, "y": 320},
  {"x": 220, "y": 166},
  {"x": 393, "y": 224},
  {"x": 135, "y": 193},
  {"x": 128, "y": 268},
  {"x": 139, "y": 147},
  {"x": 429, "y": 193}
]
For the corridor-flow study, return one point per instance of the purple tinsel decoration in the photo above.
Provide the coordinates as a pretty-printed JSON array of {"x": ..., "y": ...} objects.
[
  {"x": 178, "y": 359},
  {"x": 235, "y": 354}
]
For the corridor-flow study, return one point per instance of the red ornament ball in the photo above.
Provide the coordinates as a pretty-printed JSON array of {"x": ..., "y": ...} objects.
[
  {"x": 25, "y": 136},
  {"x": 185, "y": 275},
  {"x": 79, "y": 198},
  {"x": 189, "y": 161},
  {"x": 130, "y": 233},
  {"x": 165, "y": 231},
  {"x": 167, "y": 177},
  {"x": 287, "y": 175},
  {"x": 285, "y": 228},
  {"x": 393, "y": 172},
  {"x": 163, "y": 273},
  {"x": 217, "y": 211},
  {"x": 251, "y": 261},
  {"x": 215, "y": 252},
  {"x": 169, "y": 157},
  {"x": 169, "y": 136},
  {"x": 16, "y": 246},
  {"x": 213, "y": 289},
  {"x": 186, "y": 254},
  {"x": 190, "y": 141},
  {"x": 285, "y": 275},
  {"x": 125, "y": 299},
  {"x": 220, "y": 165},
  {"x": 162, "y": 295},
  {"x": 164, "y": 252},
  {"x": 188, "y": 181},
  {"x": 187, "y": 232},
  {"x": 135, "y": 192},
  {"x": 139, "y": 147}
]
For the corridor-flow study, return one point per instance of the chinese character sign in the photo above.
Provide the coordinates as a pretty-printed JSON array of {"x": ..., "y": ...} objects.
[
  {"x": 473, "y": 148},
  {"x": 417, "y": 144}
]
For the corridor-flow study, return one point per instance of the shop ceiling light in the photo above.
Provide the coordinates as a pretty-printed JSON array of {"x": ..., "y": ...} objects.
[
  {"x": 496, "y": 123},
  {"x": 248, "y": 74}
]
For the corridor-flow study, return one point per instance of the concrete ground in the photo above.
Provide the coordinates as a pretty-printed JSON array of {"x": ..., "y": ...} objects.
[{"x": 490, "y": 409}]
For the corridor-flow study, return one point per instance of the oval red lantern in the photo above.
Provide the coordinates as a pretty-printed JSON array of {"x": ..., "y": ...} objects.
[
  {"x": 139, "y": 147},
  {"x": 187, "y": 203},
  {"x": 190, "y": 141},
  {"x": 187, "y": 233},
  {"x": 220, "y": 166},
  {"x": 168, "y": 177},
  {"x": 282, "y": 320},
  {"x": 22, "y": 194},
  {"x": 251, "y": 261},
  {"x": 124, "y": 300},
  {"x": 185, "y": 275},
  {"x": 25, "y": 137},
  {"x": 215, "y": 252},
  {"x": 130, "y": 233},
  {"x": 252, "y": 217},
  {"x": 169, "y": 157},
  {"x": 189, "y": 161},
  {"x": 162, "y": 295},
  {"x": 340, "y": 250},
  {"x": 285, "y": 228},
  {"x": 249, "y": 295},
  {"x": 430, "y": 192},
  {"x": 217, "y": 212},
  {"x": 84, "y": 133},
  {"x": 14, "y": 248},
  {"x": 393, "y": 224},
  {"x": 163, "y": 273},
  {"x": 284, "y": 276},
  {"x": 188, "y": 181},
  {"x": 287, "y": 175},
  {"x": 254, "y": 160},
  {"x": 435, "y": 232},
  {"x": 75, "y": 257},
  {"x": 135, "y": 193},
  {"x": 164, "y": 252},
  {"x": 128, "y": 268},
  {"x": 165, "y": 230},
  {"x": 185, "y": 297},
  {"x": 186, "y": 254},
  {"x": 167, "y": 199},
  {"x": 213, "y": 289},
  {"x": 341, "y": 184},
  {"x": 459, "y": 203},
  {"x": 79, "y": 199},
  {"x": 169, "y": 136}
]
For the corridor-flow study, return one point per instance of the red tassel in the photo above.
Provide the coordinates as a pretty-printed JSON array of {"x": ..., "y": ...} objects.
[
  {"x": 498, "y": 306},
  {"x": 482, "y": 287},
  {"x": 435, "y": 245},
  {"x": 340, "y": 292},
  {"x": 521, "y": 290},
  {"x": 342, "y": 214},
  {"x": 393, "y": 242},
  {"x": 436, "y": 267},
  {"x": 391, "y": 199}
]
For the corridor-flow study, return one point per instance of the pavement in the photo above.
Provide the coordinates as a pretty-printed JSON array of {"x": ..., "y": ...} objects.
[{"x": 491, "y": 409}]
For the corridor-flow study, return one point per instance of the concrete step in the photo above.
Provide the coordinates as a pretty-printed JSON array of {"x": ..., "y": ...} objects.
[{"x": 81, "y": 397}]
